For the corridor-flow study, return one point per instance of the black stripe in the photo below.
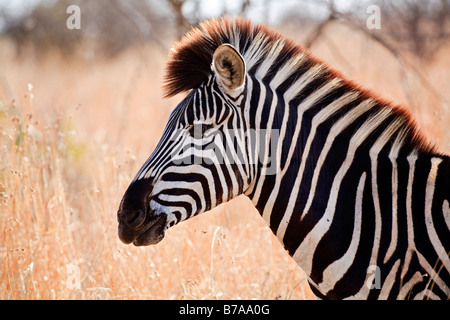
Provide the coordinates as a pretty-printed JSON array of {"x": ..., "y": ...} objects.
[{"x": 191, "y": 177}]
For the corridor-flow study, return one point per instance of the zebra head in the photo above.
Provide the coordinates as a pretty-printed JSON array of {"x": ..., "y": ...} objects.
[{"x": 200, "y": 160}]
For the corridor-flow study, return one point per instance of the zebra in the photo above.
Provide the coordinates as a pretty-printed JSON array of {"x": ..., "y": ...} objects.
[{"x": 344, "y": 179}]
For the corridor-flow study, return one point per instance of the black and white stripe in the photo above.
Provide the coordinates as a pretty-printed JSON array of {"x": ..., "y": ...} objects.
[{"x": 357, "y": 197}]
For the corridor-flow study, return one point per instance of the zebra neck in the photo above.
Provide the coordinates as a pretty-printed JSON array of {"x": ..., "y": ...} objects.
[
  {"x": 281, "y": 111},
  {"x": 310, "y": 128}
]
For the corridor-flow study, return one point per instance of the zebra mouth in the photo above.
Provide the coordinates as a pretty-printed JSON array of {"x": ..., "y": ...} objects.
[
  {"x": 154, "y": 232},
  {"x": 150, "y": 233}
]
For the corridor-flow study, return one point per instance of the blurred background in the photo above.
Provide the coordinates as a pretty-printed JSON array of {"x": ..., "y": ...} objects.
[{"x": 81, "y": 110}]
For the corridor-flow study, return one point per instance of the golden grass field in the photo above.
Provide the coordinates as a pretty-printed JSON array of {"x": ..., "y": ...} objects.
[{"x": 73, "y": 133}]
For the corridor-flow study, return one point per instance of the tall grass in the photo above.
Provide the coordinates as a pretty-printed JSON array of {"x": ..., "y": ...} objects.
[
  {"x": 59, "y": 239},
  {"x": 72, "y": 136}
]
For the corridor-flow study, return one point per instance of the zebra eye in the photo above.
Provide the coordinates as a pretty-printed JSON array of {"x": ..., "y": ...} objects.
[{"x": 197, "y": 130}]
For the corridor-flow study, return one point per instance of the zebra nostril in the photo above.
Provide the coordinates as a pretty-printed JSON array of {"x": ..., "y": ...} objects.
[
  {"x": 132, "y": 218},
  {"x": 133, "y": 209}
]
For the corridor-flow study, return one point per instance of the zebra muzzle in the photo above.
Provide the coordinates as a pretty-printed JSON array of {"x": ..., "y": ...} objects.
[
  {"x": 148, "y": 233},
  {"x": 138, "y": 224}
]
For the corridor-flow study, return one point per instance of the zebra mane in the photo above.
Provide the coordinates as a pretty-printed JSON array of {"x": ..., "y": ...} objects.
[{"x": 190, "y": 61}]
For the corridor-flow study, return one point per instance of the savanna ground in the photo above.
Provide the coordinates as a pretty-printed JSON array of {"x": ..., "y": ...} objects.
[{"x": 73, "y": 133}]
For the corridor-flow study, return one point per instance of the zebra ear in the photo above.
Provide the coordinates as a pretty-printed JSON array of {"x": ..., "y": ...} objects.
[{"x": 229, "y": 66}]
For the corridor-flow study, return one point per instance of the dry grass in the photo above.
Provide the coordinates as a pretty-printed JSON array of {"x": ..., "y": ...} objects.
[{"x": 71, "y": 143}]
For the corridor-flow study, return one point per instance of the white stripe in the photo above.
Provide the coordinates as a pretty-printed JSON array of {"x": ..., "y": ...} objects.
[
  {"x": 393, "y": 155},
  {"x": 271, "y": 56},
  {"x": 287, "y": 69},
  {"x": 410, "y": 228},
  {"x": 446, "y": 213},
  {"x": 389, "y": 281},
  {"x": 406, "y": 288},
  {"x": 429, "y": 193},
  {"x": 426, "y": 294},
  {"x": 255, "y": 51},
  {"x": 334, "y": 272}
]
